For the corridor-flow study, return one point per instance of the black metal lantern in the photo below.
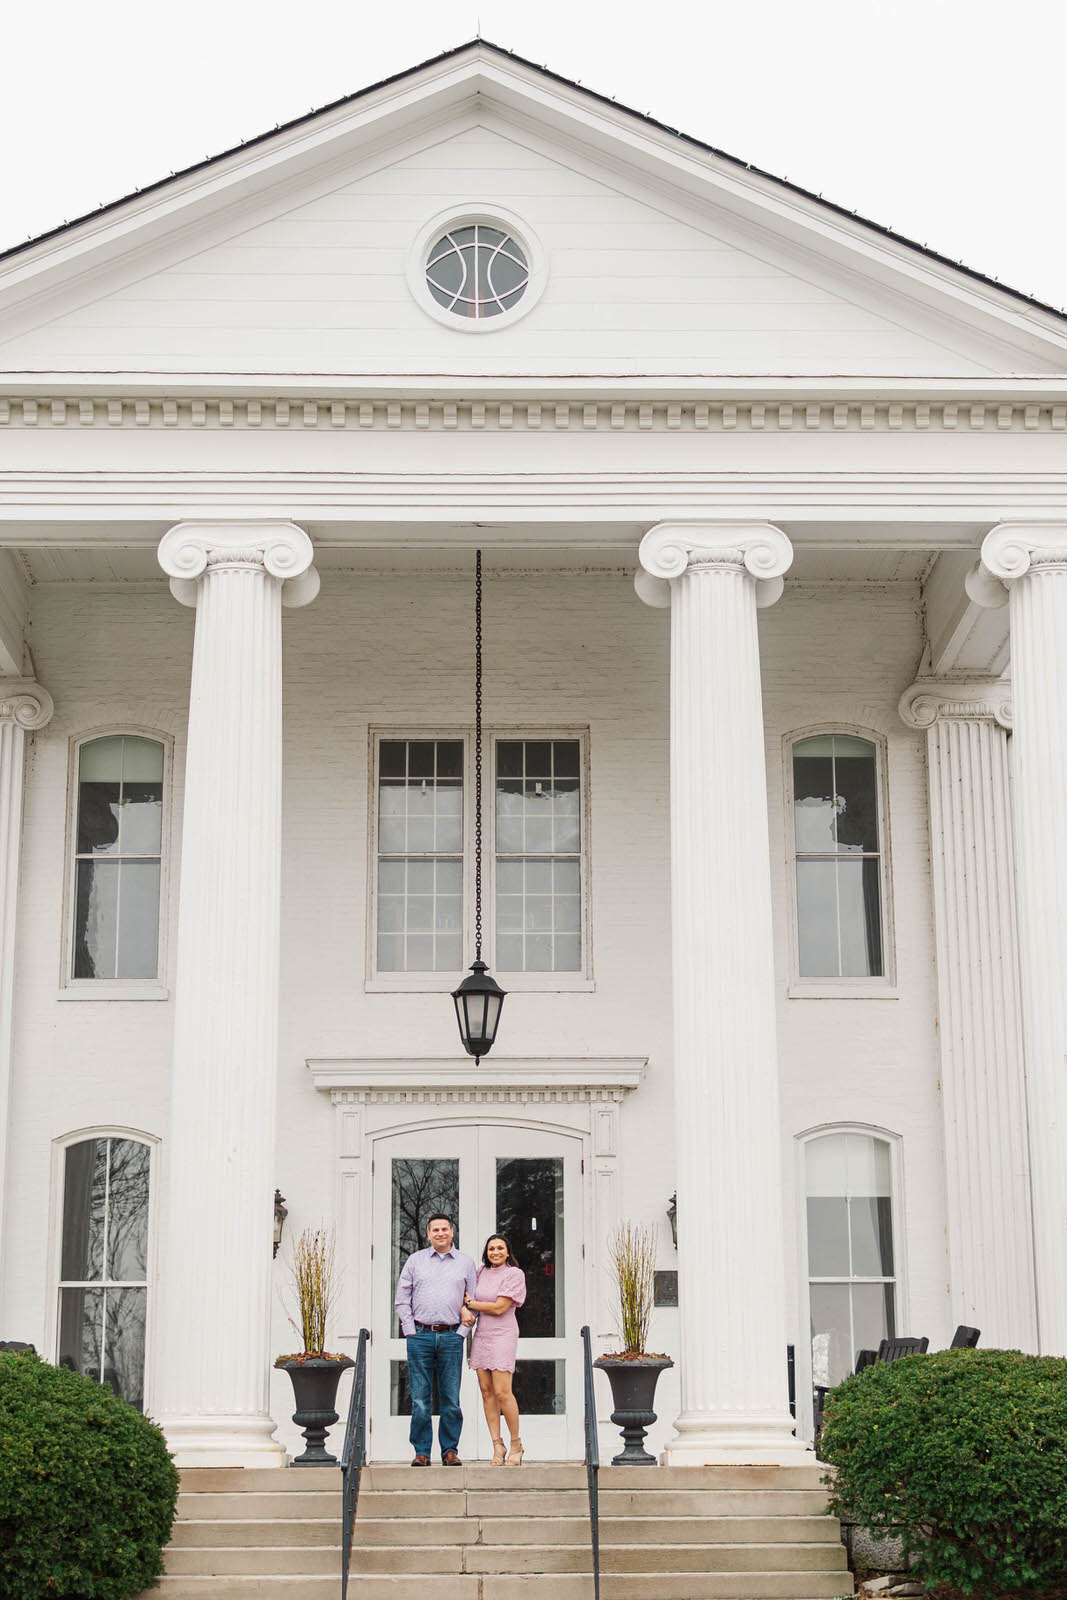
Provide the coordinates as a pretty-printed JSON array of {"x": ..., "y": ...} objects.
[{"x": 479, "y": 999}]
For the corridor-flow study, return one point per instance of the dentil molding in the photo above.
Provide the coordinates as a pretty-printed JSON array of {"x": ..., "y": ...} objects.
[
  {"x": 281, "y": 548},
  {"x": 396, "y": 1080},
  {"x": 931, "y": 700},
  {"x": 637, "y": 416},
  {"x": 671, "y": 549},
  {"x": 25, "y": 703}
]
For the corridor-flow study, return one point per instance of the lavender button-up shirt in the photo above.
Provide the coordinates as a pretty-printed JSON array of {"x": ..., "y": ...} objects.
[{"x": 432, "y": 1285}]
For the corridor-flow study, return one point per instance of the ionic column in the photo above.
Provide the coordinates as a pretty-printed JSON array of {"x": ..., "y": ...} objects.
[
  {"x": 214, "y": 1307},
  {"x": 24, "y": 707},
  {"x": 1031, "y": 561},
  {"x": 728, "y": 1143},
  {"x": 983, "y": 1080}
]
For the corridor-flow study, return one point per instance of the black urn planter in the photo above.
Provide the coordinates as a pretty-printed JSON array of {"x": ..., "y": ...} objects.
[
  {"x": 315, "y": 1383},
  {"x": 633, "y": 1389}
]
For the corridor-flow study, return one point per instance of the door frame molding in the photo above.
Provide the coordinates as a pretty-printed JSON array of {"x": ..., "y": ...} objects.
[{"x": 578, "y": 1096}]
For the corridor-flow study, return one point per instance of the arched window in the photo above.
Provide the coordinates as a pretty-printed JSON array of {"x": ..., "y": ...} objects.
[
  {"x": 852, "y": 1285},
  {"x": 118, "y": 850},
  {"x": 103, "y": 1271},
  {"x": 838, "y": 849}
]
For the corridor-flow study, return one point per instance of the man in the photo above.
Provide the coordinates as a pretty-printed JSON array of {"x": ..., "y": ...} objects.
[{"x": 429, "y": 1303}]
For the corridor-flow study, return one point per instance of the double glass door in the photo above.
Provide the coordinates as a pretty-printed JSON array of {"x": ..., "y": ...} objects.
[{"x": 525, "y": 1185}]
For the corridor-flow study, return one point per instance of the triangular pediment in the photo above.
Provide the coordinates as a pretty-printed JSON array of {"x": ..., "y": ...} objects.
[{"x": 295, "y": 256}]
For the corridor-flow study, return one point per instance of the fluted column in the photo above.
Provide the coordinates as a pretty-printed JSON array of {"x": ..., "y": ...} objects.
[
  {"x": 732, "y": 1350},
  {"x": 983, "y": 1080},
  {"x": 24, "y": 707},
  {"x": 1031, "y": 561},
  {"x": 214, "y": 1287}
]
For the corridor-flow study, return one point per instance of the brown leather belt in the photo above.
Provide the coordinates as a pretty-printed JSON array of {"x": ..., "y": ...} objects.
[{"x": 437, "y": 1327}]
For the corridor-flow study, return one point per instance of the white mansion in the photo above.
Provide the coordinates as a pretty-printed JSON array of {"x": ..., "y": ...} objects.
[{"x": 775, "y": 848}]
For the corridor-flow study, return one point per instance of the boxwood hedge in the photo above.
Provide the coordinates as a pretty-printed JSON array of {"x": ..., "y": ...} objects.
[
  {"x": 87, "y": 1487},
  {"x": 965, "y": 1451}
]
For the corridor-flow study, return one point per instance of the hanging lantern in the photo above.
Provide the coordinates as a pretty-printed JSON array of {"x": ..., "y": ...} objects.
[{"x": 479, "y": 998}]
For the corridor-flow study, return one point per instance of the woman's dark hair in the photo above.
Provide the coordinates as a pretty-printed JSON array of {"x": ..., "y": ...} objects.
[{"x": 511, "y": 1262}]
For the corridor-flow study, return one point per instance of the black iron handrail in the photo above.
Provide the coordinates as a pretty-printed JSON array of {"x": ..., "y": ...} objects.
[
  {"x": 353, "y": 1455},
  {"x": 592, "y": 1460}
]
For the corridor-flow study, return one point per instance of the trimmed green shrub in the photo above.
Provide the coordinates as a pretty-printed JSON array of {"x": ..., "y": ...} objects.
[
  {"x": 87, "y": 1487},
  {"x": 965, "y": 1453}
]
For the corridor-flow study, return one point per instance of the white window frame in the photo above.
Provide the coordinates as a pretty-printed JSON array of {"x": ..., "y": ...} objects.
[
  {"x": 462, "y": 215},
  {"x": 71, "y": 988},
  {"x": 376, "y": 982},
  {"x": 802, "y": 1346},
  {"x": 831, "y": 988},
  {"x": 60, "y": 1146}
]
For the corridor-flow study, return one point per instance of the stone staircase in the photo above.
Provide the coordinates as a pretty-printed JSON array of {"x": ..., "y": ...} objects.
[{"x": 479, "y": 1533}]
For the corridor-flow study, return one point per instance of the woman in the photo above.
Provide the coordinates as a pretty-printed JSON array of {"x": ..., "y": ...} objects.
[{"x": 500, "y": 1289}]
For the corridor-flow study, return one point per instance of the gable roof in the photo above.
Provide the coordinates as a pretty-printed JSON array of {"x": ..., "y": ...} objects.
[{"x": 569, "y": 83}]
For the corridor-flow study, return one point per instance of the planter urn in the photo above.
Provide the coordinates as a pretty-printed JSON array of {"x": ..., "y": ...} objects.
[
  {"x": 633, "y": 1389},
  {"x": 315, "y": 1383}
]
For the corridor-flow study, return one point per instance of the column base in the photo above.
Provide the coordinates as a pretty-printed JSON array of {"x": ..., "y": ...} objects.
[
  {"x": 712, "y": 1440},
  {"x": 223, "y": 1441}
]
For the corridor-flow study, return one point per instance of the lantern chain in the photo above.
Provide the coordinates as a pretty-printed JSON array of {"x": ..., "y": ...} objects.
[{"x": 478, "y": 757}]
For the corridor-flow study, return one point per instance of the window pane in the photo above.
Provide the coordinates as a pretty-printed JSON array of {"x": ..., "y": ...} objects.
[
  {"x": 831, "y": 1333},
  {"x": 565, "y": 756},
  {"x": 857, "y": 803},
  {"x": 100, "y": 760},
  {"x": 141, "y": 819},
  {"x": 872, "y": 1312},
  {"x": 127, "y": 1233},
  {"x": 138, "y": 920},
  {"x": 80, "y": 1330},
  {"x": 828, "y": 1237},
  {"x": 813, "y": 799},
  {"x": 529, "y": 1213},
  {"x": 871, "y": 1226},
  {"x": 539, "y": 1388},
  {"x": 817, "y": 919},
  {"x": 124, "y": 1327},
  {"x": 98, "y": 817},
  {"x": 859, "y": 906},
  {"x": 826, "y": 1164},
  {"x": 142, "y": 761},
  {"x": 84, "y": 1191},
  {"x": 96, "y": 897},
  {"x": 419, "y": 1188}
]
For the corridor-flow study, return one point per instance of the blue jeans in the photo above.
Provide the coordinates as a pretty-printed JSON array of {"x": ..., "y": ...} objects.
[{"x": 427, "y": 1352}]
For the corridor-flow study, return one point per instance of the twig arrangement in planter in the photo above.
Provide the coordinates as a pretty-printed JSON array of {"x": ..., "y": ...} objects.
[
  {"x": 315, "y": 1373},
  {"x": 632, "y": 1261}
]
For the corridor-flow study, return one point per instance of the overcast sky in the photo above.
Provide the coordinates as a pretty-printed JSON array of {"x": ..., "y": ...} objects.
[{"x": 944, "y": 120}]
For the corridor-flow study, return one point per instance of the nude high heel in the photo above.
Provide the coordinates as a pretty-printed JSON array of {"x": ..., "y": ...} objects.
[
  {"x": 515, "y": 1454},
  {"x": 498, "y": 1453}
]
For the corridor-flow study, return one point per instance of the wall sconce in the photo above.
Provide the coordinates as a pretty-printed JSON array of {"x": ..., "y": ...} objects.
[
  {"x": 281, "y": 1211},
  {"x": 672, "y": 1218}
]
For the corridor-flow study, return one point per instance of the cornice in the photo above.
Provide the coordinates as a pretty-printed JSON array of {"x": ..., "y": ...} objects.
[
  {"x": 395, "y": 1080},
  {"x": 519, "y": 413},
  {"x": 25, "y": 703},
  {"x": 931, "y": 700}
]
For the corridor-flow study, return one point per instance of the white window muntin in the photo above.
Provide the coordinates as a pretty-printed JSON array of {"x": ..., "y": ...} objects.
[
  {"x": 831, "y": 987},
  {"x": 804, "y": 1373},
  {"x": 152, "y": 988},
  {"x": 428, "y": 982},
  {"x": 57, "y": 1281}
]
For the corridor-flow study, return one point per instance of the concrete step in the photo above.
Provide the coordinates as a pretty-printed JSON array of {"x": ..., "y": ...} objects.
[
  {"x": 712, "y": 1502},
  {"x": 712, "y": 1477},
  {"x": 531, "y": 1558},
  {"x": 241, "y": 1560},
  {"x": 664, "y": 1586},
  {"x": 655, "y": 1530},
  {"x": 265, "y": 1480},
  {"x": 248, "y": 1533},
  {"x": 230, "y": 1504},
  {"x": 432, "y": 1503},
  {"x": 303, "y": 1586},
  {"x": 478, "y": 1475},
  {"x": 754, "y": 1558},
  {"x": 412, "y": 1530}
]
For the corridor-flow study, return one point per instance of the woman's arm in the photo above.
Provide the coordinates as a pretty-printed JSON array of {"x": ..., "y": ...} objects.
[{"x": 492, "y": 1308}]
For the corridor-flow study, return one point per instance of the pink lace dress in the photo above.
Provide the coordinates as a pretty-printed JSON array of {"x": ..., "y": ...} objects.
[{"x": 496, "y": 1338}]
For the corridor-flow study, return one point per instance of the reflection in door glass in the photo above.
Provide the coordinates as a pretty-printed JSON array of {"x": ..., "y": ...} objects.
[
  {"x": 539, "y": 1388},
  {"x": 420, "y": 1187},
  {"x": 529, "y": 1212}
]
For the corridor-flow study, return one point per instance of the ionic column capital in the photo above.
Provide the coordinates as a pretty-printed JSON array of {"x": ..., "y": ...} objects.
[
  {"x": 670, "y": 550},
  {"x": 1009, "y": 552},
  {"x": 279, "y": 548},
  {"x": 25, "y": 703},
  {"x": 931, "y": 700}
]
